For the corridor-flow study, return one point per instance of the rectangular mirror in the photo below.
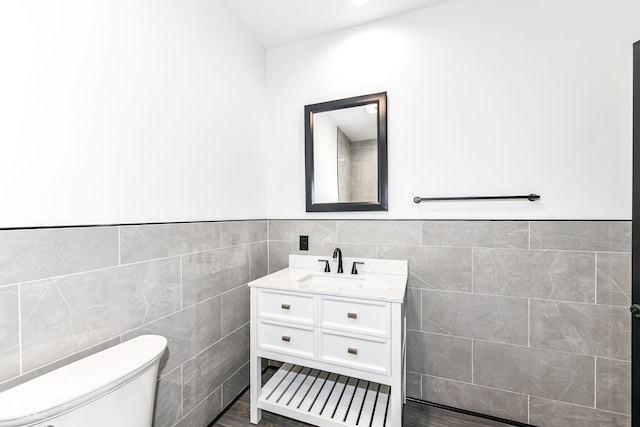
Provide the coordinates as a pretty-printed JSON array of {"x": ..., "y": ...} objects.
[{"x": 346, "y": 154}]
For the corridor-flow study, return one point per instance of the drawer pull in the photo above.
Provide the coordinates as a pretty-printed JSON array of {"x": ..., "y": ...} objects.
[
  {"x": 352, "y": 315},
  {"x": 285, "y": 306},
  {"x": 286, "y": 338},
  {"x": 352, "y": 350}
]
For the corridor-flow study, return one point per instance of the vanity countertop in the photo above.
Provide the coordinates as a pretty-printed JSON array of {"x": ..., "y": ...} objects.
[{"x": 376, "y": 279}]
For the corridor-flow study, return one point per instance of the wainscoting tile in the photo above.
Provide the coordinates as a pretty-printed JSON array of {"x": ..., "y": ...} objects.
[
  {"x": 258, "y": 260},
  {"x": 548, "y": 413},
  {"x": 208, "y": 274},
  {"x": 613, "y": 382},
  {"x": 379, "y": 232},
  {"x": 503, "y": 404},
  {"x": 550, "y": 374},
  {"x": 414, "y": 309},
  {"x": 146, "y": 242},
  {"x": 614, "y": 278},
  {"x": 241, "y": 232},
  {"x": 414, "y": 385},
  {"x": 279, "y": 252},
  {"x": 434, "y": 268},
  {"x": 58, "y": 364},
  {"x": 235, "y": 309},
  {"x": 234, "y": 385},
  {"x": 605, "y": 236},
  {"x": 492, "y": 318},
  {"x": 318, "y": 231},
  {"x": 204, "y": 412},
  {"x": 27, "y": 255},
  {"x": 210, "y": 369},
  {"x": 168, "y": 401},
  {"x": 67, "y": 314},
  {"x": 488, "y": 234},
  {"x": 597, "y": 330},
  {"x": 9, "y": 333},
  {"x": 558, "y": 275},
  {"x": 439, "y": 355},
  {"x": 188, "y": 332}
]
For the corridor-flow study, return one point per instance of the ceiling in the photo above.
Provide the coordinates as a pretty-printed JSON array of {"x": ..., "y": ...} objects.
[{"x": 278, "y": 22}]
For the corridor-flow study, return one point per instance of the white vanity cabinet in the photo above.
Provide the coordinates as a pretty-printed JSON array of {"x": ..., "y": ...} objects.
[{"x": 341, "y": 339}]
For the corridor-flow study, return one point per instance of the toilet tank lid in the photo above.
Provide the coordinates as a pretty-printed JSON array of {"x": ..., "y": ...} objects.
[{"x": 82, "y": 380}]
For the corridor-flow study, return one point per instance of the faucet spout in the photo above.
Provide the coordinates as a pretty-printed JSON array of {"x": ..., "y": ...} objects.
[{"x": 338, "y": 253}]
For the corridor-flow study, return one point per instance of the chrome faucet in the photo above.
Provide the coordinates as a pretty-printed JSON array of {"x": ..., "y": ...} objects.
[{"x": 338, "y": 253}]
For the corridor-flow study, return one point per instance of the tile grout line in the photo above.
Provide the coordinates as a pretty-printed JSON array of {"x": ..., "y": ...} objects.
[
  {"x": 414, "y": 245},
  {"x": 481, "y": 386},
  {"x": 97, "y": 270},
  {"x": 207, "y": 348},
  {"x": 484, "y": 340},
  {"x": 201, "y": 402},
  {"x": 515, "y": 296},
  {"x": 521, "y": 394},
  {"x": 160, "y": 377},
  {"x": 62, "y": 358}
]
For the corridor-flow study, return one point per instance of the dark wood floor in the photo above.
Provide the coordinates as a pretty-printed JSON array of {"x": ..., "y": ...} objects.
[{"x": 415, "y": 415}]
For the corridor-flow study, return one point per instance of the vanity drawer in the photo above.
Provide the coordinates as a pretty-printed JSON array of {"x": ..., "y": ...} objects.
[
  {"x": 369, "y": 354},
  {"x": 359, "y": 316},
  {"x": 285, "y": 306},
  {"x": 283, "y": 338}
]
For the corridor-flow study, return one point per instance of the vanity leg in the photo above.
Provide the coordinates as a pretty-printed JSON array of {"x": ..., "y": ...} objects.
[
  {"x": 255, "y": 364},
  {"x": 254, "y": 391},
  {"x": 397, "y": 367}
]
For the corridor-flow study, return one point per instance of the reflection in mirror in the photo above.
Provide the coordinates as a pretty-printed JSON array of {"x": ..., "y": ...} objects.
[
  {"x": 345, "y": 155},
  {"x": 346, "y": 147}
]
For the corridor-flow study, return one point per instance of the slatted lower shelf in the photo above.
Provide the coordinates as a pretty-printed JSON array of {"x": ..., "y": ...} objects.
[{"x": 324, "y": 398}]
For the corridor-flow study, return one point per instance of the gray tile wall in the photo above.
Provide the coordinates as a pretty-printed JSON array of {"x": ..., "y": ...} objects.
[
  {"x": 524, "y": 320},
  {"x": 70, "y": 292}
]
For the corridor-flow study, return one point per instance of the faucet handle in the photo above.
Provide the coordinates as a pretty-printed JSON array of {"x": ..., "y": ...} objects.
[
  {"x": 354, "y": 270},
  {"x": 327, "y": 269}
]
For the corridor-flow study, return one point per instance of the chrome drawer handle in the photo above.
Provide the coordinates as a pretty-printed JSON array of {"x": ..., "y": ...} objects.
[
  {"x": 352, "y": 350},
  {"x": 286, "y": 338},
  {"x": 352, "y": 315},
  {"x": 285, "y": 306}
]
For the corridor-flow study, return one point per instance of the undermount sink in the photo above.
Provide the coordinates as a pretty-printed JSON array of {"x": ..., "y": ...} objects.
[
  {"x": 377, "y": 279},
  {"x": 322, "y": 279}
]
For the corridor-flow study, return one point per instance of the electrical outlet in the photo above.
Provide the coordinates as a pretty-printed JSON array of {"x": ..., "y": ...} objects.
[{"x": 304, "y": 243}]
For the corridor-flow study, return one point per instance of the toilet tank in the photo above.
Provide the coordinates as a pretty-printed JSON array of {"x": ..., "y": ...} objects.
[{"x": 114, "y": 387}]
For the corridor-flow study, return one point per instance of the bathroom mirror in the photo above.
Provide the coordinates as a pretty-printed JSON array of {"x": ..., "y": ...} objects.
[{"x": 346, "y": 154}]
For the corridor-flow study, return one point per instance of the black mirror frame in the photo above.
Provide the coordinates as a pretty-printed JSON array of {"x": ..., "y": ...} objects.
[{"x": 381, "y": 205}]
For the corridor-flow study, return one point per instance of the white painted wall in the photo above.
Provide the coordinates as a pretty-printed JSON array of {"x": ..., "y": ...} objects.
[
  {"x": 485, "y": 97},
  {"x": 124, "y": 111}
]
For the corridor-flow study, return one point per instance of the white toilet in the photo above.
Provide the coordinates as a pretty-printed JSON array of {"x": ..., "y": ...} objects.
[{"x": 112, "y": 388}]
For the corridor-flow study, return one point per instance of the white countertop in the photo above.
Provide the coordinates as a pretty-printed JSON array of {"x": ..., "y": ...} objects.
[{"x": 384, "y": 280}]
